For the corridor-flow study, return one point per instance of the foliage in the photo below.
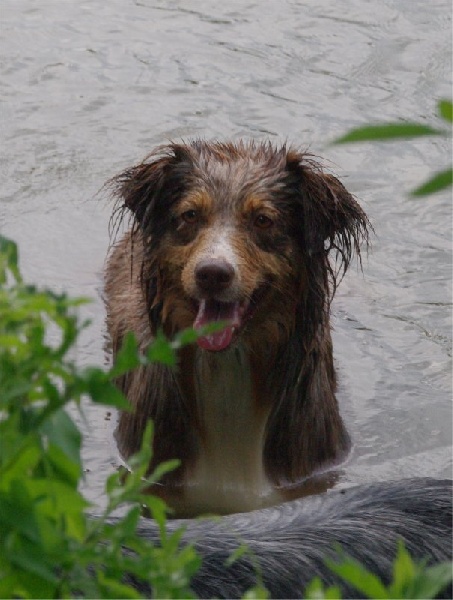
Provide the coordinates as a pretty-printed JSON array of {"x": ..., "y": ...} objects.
[
  {"x": 409, "y": 579},
  {"x": 48, "y": 546},
  {"x": 404, "y": 130}
]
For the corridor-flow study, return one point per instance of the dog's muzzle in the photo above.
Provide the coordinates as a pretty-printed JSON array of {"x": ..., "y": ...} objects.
[{"x": 213, "y": 278}]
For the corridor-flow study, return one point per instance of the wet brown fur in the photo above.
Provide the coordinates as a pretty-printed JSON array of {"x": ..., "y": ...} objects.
[{"x": 317, "y": 225}]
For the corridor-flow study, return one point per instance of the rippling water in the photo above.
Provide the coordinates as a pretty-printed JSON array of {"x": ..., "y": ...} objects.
[{"x": 90, "y": 87}]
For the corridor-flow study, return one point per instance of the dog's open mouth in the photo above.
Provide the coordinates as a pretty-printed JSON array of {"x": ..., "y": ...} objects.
[{"x": 234, "y": 314}]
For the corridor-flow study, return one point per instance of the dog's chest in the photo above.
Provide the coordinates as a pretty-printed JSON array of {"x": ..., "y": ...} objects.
[{"x": 229, "y": 473}]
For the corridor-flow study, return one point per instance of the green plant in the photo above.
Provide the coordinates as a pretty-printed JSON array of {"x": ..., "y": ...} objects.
[
  {"x": 404, "y": 130},
  {"x": 48, "y": 546},
  {"x": 409, "y": 579}
]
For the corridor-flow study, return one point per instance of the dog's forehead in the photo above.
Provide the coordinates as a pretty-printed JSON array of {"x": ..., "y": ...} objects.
[{"x": 234, "y": 178}]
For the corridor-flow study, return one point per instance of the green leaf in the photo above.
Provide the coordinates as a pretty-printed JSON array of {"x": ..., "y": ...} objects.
[
  {"x": 387, "y": 131},
  {"x": 432, "y": 580},
  {"x": 113, "y": 588},
  {"x": 127, "y": 358},
  {"x": 358, "y": 576},
  {"x": 113, "y": 481},
  {"x": 316, "y": 591},
  {"x": 258, "y": 592},
  {"x": 160, "y": 351},
  {"x": 439, "y": 182},
  {"x": 63, "y": 467},
  {"x": 18, "y": 515},
  {"x": 101, "y": 390},
  {"x": 23, "y": 460},
  {"x": 190, "y": 335},
  {"x": 162, "y": 469},
  {"x": 57, "y": 497},
  {"x": 62, "y": 432},
  {"x": 128, "y": 524},
  {"x": 31, "y": 558},
  {"x": 236, "y": 555},
  {"x": 445, "y": 108},
  {"x": 141, "y": 459},
  {"x": 403, "y": 570},
  {"x": 158, "y": 509},
  {"x": 187, "y": 336},
  {"x": 10, "y": 256}
]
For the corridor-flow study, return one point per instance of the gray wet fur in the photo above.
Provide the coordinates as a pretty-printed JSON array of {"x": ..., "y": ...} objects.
[{"x": 292, "y": 541}]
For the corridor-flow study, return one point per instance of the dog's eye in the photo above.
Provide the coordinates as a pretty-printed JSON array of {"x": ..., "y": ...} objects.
[
  {"x": 190, "y": 216},
  {"x": 263, "y": 222}
]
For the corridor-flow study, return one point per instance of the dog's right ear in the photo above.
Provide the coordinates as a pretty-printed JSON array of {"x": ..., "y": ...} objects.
[{"x": 154, "y": 184}]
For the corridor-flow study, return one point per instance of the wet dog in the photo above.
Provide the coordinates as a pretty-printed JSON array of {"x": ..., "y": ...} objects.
[
  {"x": 292, "y": 542},
  {"x": 248, "y": 234},
  {"x": 256, "y": 237}
]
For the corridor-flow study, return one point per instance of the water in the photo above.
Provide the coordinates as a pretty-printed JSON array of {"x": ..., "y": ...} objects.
[{"x": 90, "y": 87}]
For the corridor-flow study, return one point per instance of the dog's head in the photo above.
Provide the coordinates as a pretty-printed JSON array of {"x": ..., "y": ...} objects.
[{"x": 239, "y": 233}]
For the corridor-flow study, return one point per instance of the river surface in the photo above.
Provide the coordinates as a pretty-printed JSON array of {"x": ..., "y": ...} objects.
[{"x": 88, "y": 88}]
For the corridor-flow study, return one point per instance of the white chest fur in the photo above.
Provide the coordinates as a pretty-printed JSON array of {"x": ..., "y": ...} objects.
[{"x": 229, "y": 474}]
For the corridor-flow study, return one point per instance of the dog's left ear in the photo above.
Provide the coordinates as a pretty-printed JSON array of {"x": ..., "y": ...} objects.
[{"x": 331, "y": 217}]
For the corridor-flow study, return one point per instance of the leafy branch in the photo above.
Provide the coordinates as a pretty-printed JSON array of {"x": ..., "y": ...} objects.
[{"x": 409, "y": 130}]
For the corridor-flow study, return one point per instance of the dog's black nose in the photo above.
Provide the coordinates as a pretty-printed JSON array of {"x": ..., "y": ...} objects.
[{"x": 213, "y": 275}]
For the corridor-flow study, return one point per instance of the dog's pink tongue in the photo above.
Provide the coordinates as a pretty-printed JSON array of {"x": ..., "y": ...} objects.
[{"x": 211, "y": 311}]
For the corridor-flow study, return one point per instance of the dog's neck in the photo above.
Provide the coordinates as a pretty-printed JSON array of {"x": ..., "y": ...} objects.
[{"x": 229, "y": 469}]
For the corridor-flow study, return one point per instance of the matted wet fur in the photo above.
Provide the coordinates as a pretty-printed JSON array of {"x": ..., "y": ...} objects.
[
  {"x": 256, "y": 236},
  {"x": 291, "y": 543}
]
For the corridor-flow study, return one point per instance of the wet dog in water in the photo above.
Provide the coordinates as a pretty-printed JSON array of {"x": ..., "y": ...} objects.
[
  {"x": 256, "y": 237},
  {"x": 248, "y": 234}
]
